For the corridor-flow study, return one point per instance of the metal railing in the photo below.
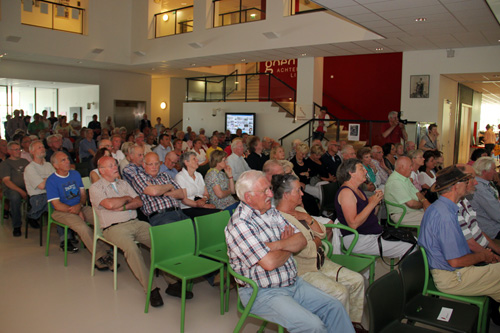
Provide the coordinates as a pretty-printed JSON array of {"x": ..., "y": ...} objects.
[
  {"x": 245, "y": 12},
  {"x": 370, "y": 131},
  {"x": 224, "y": 88},
  {"x": 52, "y": 15},
  {"x": 173, "y": 22}
]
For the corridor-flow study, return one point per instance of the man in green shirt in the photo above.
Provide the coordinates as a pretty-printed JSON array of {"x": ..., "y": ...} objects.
[
  {"x": 36, "y": 126},
  {"x": 400, "y": 190}
]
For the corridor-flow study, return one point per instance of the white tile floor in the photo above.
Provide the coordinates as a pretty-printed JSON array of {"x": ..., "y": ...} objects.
[{"x": 38, "y": 293}]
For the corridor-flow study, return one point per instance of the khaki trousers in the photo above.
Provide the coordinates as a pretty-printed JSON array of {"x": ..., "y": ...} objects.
[{"x": 470, "y": 281}]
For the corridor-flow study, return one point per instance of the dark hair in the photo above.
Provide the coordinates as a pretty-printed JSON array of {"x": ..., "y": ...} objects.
[
  {"x": 346, "y": 168},
  {"x": 386, "y": 148},
  {"x": 282, "y": 184},
  {"x": 99, "y": 153},
  {"x": 162, "y": 136},
  {"x": 431, "y": 126},
  {"x": 477, "y": 154},
  {"x": 427, "y": 156},
  {"x": 254, "y": 141}
]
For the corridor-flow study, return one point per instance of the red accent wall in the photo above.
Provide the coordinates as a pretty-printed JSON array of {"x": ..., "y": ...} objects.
[
  {"x": 369, "y": 85},
  {"x": 286, "y": 71}
]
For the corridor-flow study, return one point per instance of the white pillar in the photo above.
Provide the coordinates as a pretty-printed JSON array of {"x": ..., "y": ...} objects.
[{"x": 309, "y": 86}]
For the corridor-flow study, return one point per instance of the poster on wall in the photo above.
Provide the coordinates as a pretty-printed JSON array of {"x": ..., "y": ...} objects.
[
  {"x": 419, "y": 86},
  {"x": 353, "y": 132}
]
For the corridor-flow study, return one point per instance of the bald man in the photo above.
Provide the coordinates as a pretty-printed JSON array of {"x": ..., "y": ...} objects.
[{"x": 400, "y": 190}]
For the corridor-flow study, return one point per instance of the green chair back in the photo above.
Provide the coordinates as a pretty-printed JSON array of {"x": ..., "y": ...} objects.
[
  {"x": 99, "y": 236},
  {"x": 482, "y": 302},
  {"x": 51, "y": 221},
  {"x": 210, "y": 230},
  {"x": 181, "y": 245}
]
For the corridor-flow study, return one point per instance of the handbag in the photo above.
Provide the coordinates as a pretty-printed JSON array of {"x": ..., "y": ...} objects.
[{"x": 392, "y": 234}]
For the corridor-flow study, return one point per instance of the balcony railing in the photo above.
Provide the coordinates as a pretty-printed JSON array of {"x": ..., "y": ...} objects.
[
  {"x": 228, "y": 12},
  {"x": 52, "y": 15},
  {"x": 173, "y": 22},
  {"x": 224, "y": 88}
]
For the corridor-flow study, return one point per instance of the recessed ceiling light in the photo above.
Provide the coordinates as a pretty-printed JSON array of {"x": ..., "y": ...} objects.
[
  {"x": 303, "y": 54},
  {"x": 379, "y": 49},
  {"x": 420, "y": 19},
  {"x": 243, "y": 60},
  {"x": 192, "y": 65},
  {"x": 79, "y": 62}
]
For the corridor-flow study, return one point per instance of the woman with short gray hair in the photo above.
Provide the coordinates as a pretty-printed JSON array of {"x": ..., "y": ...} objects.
[
  {"x": 196, "y": 201},
  {"x": 345, "y": 285}
]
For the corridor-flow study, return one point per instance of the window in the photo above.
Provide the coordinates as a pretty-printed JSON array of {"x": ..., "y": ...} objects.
[
  {"x": 65, "y": 16},
  {"x": 228, "y": 12}
]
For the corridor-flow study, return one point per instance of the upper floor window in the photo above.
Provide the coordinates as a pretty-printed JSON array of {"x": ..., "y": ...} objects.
[
  {"x": 303, "y": 6},
  {"x": 172, "y": 19},
  {"x": 64, "y": 15},
  {"x": 227, "y": 12}
]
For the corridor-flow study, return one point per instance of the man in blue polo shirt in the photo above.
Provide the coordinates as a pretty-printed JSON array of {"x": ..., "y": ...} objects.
[
  {"x": 451, "y": 261},
  {"x": 67, "y": 195}
]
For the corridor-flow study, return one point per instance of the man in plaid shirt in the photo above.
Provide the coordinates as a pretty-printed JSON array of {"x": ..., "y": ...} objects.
[
  {"x": 159, "y": 193},
  {"x": 260, "y": 246}
]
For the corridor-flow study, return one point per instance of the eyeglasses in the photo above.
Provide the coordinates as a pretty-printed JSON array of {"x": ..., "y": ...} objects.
[
  {"x": 270, "y": 189},
  {"x": 153, "y": 164}
]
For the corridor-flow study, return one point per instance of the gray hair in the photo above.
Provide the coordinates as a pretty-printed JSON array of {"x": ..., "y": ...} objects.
[
  {"x": 483, "y": 164},
  {"x": 246, "y": 182},
  {"x": 346, "y": 168},
  {"x": 54, "y": 156},
  {"x": 13, "y": 143},
  {"x": 282, "y": 184},
  {"x": 414, "y": 153},
  {"x": 392, "y": 114},
  {"x": 235, "y": 141},
  {"x": 132, "y": 148},
  {"x": 185, "y": 157},
  {"x": 344, "y": 150},
  {"x": 32, "y": 145}
]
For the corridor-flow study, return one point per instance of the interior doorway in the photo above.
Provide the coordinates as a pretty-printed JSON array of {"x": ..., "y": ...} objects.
[
  {"x": 128, "y": 114},
  {"x": 465, "y": 133}
]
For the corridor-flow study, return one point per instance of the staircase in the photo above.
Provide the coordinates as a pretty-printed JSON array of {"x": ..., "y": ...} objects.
[
  {"x": 331, "y": 133},
  {"x": 252, "y": 91}
]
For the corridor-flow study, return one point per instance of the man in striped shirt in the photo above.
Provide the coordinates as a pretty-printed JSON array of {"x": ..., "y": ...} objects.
[{"x": 260, "y": 246}]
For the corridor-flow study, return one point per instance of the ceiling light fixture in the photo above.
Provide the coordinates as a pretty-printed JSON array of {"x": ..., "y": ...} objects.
[
  {"x": 271, "y": 35},
  {"x": 140, "y": 53},
  {"x": 97, "y": 50},
  {"x": 13, "y": 39},
  {"x": 303, "y": 54},
  {"x": 165, "y": 17},
  {"x": 243, "y": 60},
  {"x": 193, "y": 64},
  {"x": 420, "y": 19},
  {"x": 196, "y": 45},
  {"x": 379, "y": 49}
]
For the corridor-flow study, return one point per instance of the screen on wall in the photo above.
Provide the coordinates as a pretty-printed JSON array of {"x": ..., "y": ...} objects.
[{"x": 245, "y": 121}]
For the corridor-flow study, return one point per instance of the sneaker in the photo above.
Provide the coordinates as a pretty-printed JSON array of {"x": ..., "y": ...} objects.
[
  {"x": 33, "y": 223},
  {"x": 17, "y": 232},
  {"x": 155, "y": 298},
  {"x": 71, "y": 247},
  {"x": 175, "y": 289}
]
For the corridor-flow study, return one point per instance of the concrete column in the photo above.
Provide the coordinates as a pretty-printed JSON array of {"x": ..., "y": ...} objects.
[{"x": 309, "y": 86}]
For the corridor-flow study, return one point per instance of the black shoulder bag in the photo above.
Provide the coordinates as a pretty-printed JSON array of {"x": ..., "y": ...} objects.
[{"x": 392, "y": 234}]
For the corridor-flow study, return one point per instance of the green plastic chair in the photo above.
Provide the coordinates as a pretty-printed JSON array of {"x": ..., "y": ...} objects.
[
  {"x": 172, "y": 251},
  {"x": 352, "y": 262},
  {"x": 398, "y": 223},
  {"x": 98, "y": 236},
  {"x": 211, "y": 242},
  {"x": 425, "y": 309},
  {"x": 385, "y": 302},
  {"x": 350, "y": 252},
  {"x": 245, "y": 310},
  {"x": 51, "y": 221},
  {"x": 482, "y": 302}
]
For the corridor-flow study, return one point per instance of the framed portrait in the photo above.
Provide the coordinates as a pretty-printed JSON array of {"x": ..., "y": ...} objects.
[
  {"x": 419, "y": 86},
  {"x": 353, "y": 132}
]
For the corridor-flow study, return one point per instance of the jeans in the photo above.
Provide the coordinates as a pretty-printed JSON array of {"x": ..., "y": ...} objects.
[
  {"x": 38, "y": 206},
  {"x": 167, "y": 217},
  {"x": 299, "y": 308},
  {"x": 15, "y": 206}
]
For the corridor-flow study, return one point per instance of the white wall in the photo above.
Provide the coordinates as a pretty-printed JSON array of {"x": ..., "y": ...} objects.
[
  {"x": 113, "y": 85},
  {"x": 435, "y": 63},
  {"x": 79, "y": 97},
  {"x": 269, "y": 122}
]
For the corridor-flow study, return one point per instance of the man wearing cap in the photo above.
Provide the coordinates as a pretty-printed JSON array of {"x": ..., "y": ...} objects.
[{"x": 451, "y": 261}]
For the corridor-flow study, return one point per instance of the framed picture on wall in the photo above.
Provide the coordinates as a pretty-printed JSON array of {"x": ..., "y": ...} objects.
[
  {"x": 419, "y": 86},
  {"x": 353, "y": 132}
]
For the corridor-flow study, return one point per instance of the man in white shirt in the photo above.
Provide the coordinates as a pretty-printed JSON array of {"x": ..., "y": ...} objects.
[
  {"x": 116, "y": 142},
  {"x": 236, "y": 160}
]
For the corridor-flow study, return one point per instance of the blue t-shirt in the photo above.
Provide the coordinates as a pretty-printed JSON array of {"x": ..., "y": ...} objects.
[
  {"x": 66, "y": 189},
  {"x": 441, "y": 235}
]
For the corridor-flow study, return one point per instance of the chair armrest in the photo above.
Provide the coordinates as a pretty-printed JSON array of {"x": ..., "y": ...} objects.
[
  {"x": 403, "y": 207},
  {"x": 344, "y": 227}
]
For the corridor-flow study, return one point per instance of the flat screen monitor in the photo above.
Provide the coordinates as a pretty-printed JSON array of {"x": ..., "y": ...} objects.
[{"x": 245, "y": 121}]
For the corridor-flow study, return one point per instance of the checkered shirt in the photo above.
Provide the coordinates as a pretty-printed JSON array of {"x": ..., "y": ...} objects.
[
  {"x": 152, "y": 204},
  {"x": 246, "y": 235}
]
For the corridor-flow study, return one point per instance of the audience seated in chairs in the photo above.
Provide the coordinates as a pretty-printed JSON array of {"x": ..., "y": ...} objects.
[
  {"x": 357, "y": 211},
  {"x": 343, "y": 284}
]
